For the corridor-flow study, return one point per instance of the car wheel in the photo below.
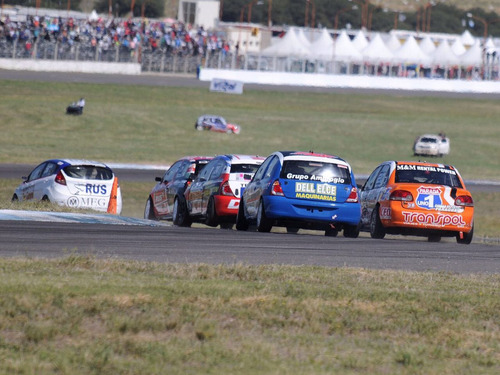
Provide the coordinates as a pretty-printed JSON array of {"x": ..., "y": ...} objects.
[
  {"x": 434, "y": 238},
  {"x": 467, "y": 238},
  {"x": 198, "y": 127},
  {"x": 149, "y": 212},
  {"x": 180, "y": 215},
  {"x": 212, "y": 219},
  {"x": 292, "y": 230},
  {"x": 376, "y": 228},
  {"x": 15, "y": 198},
  {"x": 263, "y": 223},
  {"x": 241, "y": 221},
  {"x": 45, "y": 199},
  {"x": 351, "y": 231},
  {"x": 331, "y": 231}
]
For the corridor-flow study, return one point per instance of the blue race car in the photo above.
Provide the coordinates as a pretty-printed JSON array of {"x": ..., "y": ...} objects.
[{"x": 302, "y": 190}]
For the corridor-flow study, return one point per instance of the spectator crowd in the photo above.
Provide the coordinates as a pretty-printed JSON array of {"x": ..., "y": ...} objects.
[{"x": 133, "y": 35}]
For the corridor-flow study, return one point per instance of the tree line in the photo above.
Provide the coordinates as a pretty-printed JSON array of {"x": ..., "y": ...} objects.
[{"x": 355, "y": 14}]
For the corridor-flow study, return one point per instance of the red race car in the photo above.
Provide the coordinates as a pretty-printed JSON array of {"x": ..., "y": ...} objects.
[{"x": 214, "y": 196}]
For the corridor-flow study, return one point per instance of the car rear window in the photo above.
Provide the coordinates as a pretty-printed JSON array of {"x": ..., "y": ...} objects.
[
  {"x": 244, "y": 168},
  {"x": 88, "y": 172},
  {"x": 428, "y": 140},
  {"x": 424, "y": 174},
  {"x": 305, "y": 170}
]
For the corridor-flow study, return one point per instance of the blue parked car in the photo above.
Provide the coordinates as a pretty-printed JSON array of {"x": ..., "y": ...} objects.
[{"x": 297, "y": 190}]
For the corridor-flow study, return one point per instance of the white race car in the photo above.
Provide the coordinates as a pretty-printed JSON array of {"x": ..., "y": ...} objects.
[
  {"x": 431, "y": 145},
  {"x": 74, "y": 183}
]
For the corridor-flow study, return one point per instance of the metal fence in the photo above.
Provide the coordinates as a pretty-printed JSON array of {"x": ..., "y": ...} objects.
[{"x": 167, "y": 60}]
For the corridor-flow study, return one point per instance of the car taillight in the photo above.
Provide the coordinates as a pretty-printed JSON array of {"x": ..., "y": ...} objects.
[
  {"x": 276, "y": 189},
  {"x": 60, "y": 178},
  {"x": 464, "y": 200},
  {"x": 225, "y": 189},
  {"x": 353, "y": 196},
  {"x": 401, "y": 195}
]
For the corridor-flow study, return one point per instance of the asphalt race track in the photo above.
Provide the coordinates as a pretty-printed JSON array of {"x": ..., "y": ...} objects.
[
  {"x": 166, "y": 243},
  {"x": 216, "y": 246}
]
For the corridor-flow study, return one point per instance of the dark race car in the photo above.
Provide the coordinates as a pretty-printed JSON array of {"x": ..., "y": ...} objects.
[{"x": 168, "y": 194}]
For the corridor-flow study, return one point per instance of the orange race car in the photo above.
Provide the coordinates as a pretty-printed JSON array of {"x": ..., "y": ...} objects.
[{"x": 417, "y": 198}]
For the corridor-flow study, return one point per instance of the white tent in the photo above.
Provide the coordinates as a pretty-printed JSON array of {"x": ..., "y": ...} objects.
[
  {"x": 322, "y": 47},
  {"x": 393, "y": 43},
  {"x": 302, "y": 37},
  {"x": 427, "y": 45},
  {"x": 360, "y": 41},
  {"x": 444, "y": 56},
  {"x": 457, "y": 47},
  {"x": 377, "y": 51},
  {"x": 473, "y": 56},
  {"x": 288, "y": 46},
  {"x": 489, "y": 43},
  {"x": 410, "y": 53},
  {"x": 467, "y": 39},
  {"x": 344, "y": 50}
]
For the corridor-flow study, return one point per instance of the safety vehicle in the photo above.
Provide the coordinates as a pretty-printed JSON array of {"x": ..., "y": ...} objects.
[{"x": 431, "y": 145}]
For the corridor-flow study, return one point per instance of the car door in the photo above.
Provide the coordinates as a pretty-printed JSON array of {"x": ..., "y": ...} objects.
[
  {"x": 195, "y": 191},
  {"x": 379, "y": 188},
  {"x": 28, "y": 187},
  {"x": 252, "y": 189},
  {"x": 212, "y": 185},
  {"x": 176, "y": 185},
  {"x": 365, "y": 193},
  {"x": 261, "y": 182},
  {"x": 160, "y": 193},
  {"x": 46, "y": 180}
]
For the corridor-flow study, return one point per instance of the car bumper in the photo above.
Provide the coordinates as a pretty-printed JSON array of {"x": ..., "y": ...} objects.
[
  {"x": 282, "y": 208},
  {"x": 226, "y": 206},
  {"x": 396, "y": 216}
]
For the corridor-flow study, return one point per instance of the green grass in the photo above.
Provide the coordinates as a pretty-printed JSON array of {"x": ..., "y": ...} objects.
[
  {"x": 80, "y": 315},
  {"x": 140, "y": 124}
]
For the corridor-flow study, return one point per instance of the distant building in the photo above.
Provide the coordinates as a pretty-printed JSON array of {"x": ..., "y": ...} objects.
[{"x": 199, "y": 13}]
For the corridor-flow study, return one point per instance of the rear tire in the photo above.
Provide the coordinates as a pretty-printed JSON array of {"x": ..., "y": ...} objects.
[
  {"x": 180, "y": 216},
  {"x": 351, "y": 231},
  {"x": 331, "y": 231},
  {"x": 376, "y": 228},
  {"x": 15, "y": 198},
  {"x": 241, "y": 221},
  {"x": 149, "y": 212},
  {"x": 263, "y": 223},
  {"x": 467, "y": 237},
  {"x": 212, "y": 218},
  {"x": 434, "y": 238}
]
